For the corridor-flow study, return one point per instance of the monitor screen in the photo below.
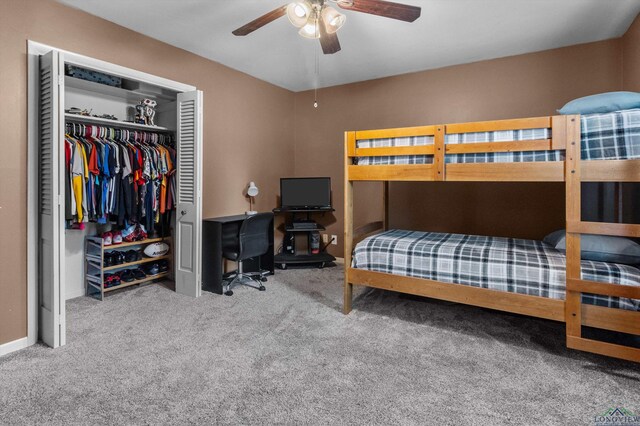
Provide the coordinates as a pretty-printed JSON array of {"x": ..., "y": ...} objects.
[{"x": 305, "y": 193}]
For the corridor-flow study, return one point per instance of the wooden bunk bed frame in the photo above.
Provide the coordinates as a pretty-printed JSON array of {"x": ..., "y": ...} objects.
[{"x": 565, "y": 132}]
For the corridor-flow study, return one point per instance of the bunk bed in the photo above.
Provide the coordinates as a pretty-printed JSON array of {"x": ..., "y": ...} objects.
[{"x": 454, "y": 267}]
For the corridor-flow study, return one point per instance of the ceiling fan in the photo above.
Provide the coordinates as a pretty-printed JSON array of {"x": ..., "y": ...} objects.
[{"x": 318, "y": 20}]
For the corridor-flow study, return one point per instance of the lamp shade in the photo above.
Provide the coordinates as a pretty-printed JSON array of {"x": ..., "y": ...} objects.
[
  {"x": 298, "y": 13},
  {"x": 333, "y": 20},
  {"x": 252, "y": 189},
  {"x": 310, "y": 29}
]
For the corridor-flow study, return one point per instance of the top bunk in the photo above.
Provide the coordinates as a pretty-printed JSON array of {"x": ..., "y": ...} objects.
[{"x": 593, "y": 147}]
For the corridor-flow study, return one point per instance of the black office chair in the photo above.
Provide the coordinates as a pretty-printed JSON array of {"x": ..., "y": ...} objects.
[{"x": 252, "y": 241}]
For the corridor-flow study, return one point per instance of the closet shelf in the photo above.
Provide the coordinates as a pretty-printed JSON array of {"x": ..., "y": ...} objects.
[
  {"x": 84, "y": 119},
  {"x": 118, "y": 92},
  {"x": 137, "y": 243},
  {"x": 137, "y": 262},
  {"x": 144, "y": 280}
]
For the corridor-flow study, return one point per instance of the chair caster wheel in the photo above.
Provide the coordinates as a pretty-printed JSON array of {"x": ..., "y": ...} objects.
[
  {"x": 263, "y": 279},
  {"x": 228, "y": 293},
  {"x": 262, "y": 288}
]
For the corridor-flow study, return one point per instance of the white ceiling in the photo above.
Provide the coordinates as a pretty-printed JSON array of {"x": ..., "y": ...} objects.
[{"x": 449, "y": 32}]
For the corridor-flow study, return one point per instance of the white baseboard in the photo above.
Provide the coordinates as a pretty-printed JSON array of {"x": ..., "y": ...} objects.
[
  {"x": 16, "y": 345},
  {"x": 340, "y": 260},
  {"x": 73, "y": 294}
]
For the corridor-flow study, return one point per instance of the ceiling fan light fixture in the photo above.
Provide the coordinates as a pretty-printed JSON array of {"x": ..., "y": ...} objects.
[
  {"x": 298, "y": 13},
  {"x": 310, "y": 29},
  {"x": 333, "y": 20}
]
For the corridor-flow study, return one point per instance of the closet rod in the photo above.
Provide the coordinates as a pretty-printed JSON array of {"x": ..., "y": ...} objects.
[{"x": 84, "y": 130}]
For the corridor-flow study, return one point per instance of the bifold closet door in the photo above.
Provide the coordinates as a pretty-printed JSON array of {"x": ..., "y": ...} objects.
[
  {"x": 188, "y": 232},
  {"x": 52, "y": 327}
]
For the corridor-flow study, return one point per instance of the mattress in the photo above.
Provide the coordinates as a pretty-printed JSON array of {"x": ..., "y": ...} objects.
[
  {"x": 504, "y": 264},
  {"x": 610, "y": 136}
]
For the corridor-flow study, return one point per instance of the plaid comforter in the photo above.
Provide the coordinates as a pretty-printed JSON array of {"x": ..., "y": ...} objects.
[
  {"x": 504, "y": 264},
  {"x": 610, "y": 136}
]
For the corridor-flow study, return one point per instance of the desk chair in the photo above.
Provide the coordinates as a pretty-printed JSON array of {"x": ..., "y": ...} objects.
[{"x": 252, "y": 241}]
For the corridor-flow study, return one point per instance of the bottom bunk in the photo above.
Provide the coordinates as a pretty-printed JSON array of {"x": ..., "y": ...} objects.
[{"x": 514, "y": 275}]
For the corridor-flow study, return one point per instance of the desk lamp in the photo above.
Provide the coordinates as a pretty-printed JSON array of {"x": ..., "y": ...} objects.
[{"x": 252, "y": 191}]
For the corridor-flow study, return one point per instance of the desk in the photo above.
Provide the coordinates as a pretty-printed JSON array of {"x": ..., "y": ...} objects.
[{"x": 216, "y": 230}]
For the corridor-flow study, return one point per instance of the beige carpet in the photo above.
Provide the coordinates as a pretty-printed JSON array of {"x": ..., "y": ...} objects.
[{"x": 288, "y": 356}]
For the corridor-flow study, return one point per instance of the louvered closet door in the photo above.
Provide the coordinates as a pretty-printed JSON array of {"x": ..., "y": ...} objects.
[
  {"x": 189, "y": 208},
  {"x": 51, "y": 241}
]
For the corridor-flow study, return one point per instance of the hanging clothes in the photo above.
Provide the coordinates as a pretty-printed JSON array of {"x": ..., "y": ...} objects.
[{"x": 117, "y": 175}]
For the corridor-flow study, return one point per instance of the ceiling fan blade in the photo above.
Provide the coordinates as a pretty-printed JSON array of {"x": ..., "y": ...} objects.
[
  {"x": 328, "y": 41},
  {"x": 403, "y": 12},
  {"x": 261, "y": 21}
]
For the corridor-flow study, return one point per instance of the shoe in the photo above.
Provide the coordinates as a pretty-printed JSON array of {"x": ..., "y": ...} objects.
[
  {"x": 115, "y": 281},
  {"x": 108, "y": 260},
  {"x": 131, "y": 256},
  {"x": 117, "y": 237},
  {"x": 153, "y": 269},
  {"x": 127, "y": 276},
  {"x": 129, "y": 233},
  {"x": 117, "y": 258},
  {"x": 107, "y": 239},
  {"x": 141, "y": 233},
  {"x": 164, "y": 266},
  {"x": 138, "y": 274},
  {"x": 107, "y": 280}
]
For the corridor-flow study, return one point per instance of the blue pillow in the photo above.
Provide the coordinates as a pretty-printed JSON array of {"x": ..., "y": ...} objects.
[
  {"x": 601, "y": 103},
  {"x": 600, "y": 248}
]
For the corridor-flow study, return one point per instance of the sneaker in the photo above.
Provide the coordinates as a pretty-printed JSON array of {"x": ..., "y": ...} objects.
[
  {"x": 107, "y": 239},
  {"x": 127, "y": 276},
  {"x": 117, "y": 237},
  {"x": 117, "y": 258},
  {"x": 107, "y": 280},
  {"x": 129, "y": 234},
  {"x": 138, "y": 274},
  {"x": 164, "y": 265},
  {"x": 153, "y": 269},
  {"x": 115, "y": 280},
  {"x": 107, "y": 260},
  {"x": 142, "y": 233},
  {"x": 132, "y": 256}
]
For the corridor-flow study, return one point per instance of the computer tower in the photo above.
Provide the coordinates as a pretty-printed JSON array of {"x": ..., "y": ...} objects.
[
  {"x": 314, "y": 242},
  {"x": 289, "y": 243}
]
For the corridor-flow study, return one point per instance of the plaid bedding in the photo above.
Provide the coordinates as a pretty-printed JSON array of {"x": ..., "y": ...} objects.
[
  {"x": 504, "y": 264},
  {"x": 397, "y": 159},
  {"x": 498, "y": 136},
  {"x": 610, "y": 136},
  {"x": 505, "y": 157}
]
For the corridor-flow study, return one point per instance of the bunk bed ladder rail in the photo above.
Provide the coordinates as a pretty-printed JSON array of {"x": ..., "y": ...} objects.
[
  {"x": 384, "y": 173},
  {"x": 578, "y": 171}
]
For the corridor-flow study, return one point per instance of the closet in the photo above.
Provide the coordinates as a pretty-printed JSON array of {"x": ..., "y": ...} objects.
[{"x": 86, "y": 109}]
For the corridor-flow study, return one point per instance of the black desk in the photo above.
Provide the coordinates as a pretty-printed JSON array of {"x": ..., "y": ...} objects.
[{"x": 216, "y": 230}]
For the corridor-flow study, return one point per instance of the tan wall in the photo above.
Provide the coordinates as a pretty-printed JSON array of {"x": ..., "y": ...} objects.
[
  {"x": 631, "y": 52},
  {"x": 519, "y": 86},
  {"x": 247, "y": 125}
]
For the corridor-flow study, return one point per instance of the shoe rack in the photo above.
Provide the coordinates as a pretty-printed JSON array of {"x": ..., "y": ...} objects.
[{"x": 95, "y": 269}]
